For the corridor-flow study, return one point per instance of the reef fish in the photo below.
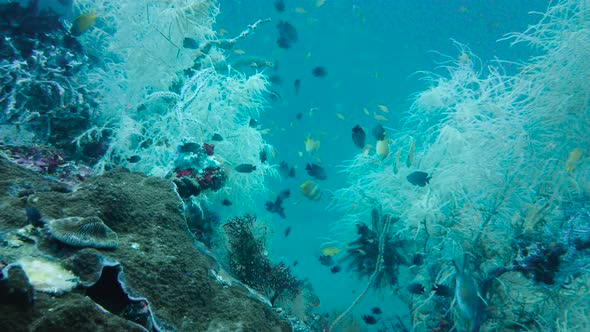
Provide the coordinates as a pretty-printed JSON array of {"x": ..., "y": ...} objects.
[
  {"x": 382, "y": 148},
  {"x": 82, "y": 23},
  {"x": 415, "y": 288},
  {"x": 319, "y": 71},
  {"x": 572, "y": 160},
  {"x": 378, "y": 132},
  {"x": 285, "y": 171},
  {"x": 419, "y": 178},
  {"x": 190, "y": 43},
  {"x": 316, "y": 171},
  {"x": 326, "y": 260},
  {"x": 330, "y": 251},
  {"x": 134, "y": 159},
  {"x": 311, "y": 145},
  {"x": 358, "y": 136},
  {"x": 276, "y": 207},
  {"x": 189, "y": 147},
  {"x": 369, "y": 319},
  {"x": 311, "y": 190},
  {"x": 245, "y": 168},
  {"x": 279, "y": 5},
  {"x": 287, "y": 34}
]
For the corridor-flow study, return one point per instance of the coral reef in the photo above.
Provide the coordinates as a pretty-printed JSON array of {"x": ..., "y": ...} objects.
[
  {"x": 43, "y": 72},
  {"x": 159, "y": 258},
  {"x": 502, "y": 220}
]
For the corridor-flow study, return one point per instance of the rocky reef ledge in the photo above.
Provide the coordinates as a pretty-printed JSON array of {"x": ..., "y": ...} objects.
[{"x": 151, "y": 275}]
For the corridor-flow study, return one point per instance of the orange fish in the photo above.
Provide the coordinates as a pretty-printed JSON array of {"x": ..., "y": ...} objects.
[{"x": 311, "y": 145}]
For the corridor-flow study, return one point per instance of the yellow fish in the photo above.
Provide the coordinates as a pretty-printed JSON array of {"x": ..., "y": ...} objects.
[
  {"x": 82, "y": 23},
  {"x": 366, "y": 111},
  {"x": 311, "y": 190},
  {"x": 311, "y": 145},
  {"x": 300, "y": 10},
  {"x": 330, "y": 251},
  {"x": 383, "y": 108},
  {"x": 382, "y": 148},
  {"x": 340, "y": 116},
  {"x": 572, "y": 160},
  {"x": 239, "y": 52}
]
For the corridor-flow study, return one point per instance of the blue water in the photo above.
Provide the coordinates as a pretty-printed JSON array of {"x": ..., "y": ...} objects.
[{"x": 371, "y": 49}]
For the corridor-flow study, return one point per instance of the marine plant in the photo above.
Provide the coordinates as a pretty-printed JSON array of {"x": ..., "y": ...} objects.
[
  {"x": 163, "y": 95},
  {"x": 506, "y": 153},
  {"x": 249, "y": 263}
]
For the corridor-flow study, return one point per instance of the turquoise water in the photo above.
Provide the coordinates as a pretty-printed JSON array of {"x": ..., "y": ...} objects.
[
  {"x": 468, "y": 212},
  {"x": 371, "y": 50}
]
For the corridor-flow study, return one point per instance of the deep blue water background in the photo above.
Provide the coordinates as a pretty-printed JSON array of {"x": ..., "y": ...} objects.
[{"x": 370, "y": 50}]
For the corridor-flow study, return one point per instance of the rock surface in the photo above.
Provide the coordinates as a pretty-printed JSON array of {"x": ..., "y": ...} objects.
[{"x": 158, "y": 255}]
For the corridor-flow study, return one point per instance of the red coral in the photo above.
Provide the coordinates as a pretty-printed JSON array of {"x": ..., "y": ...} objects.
[
  {"x": 183, "y": 172},
  {"x": 209, "y": 148}
]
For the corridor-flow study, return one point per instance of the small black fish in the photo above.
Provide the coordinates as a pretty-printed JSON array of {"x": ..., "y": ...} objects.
[
  {"x": 279, "y": 5},
  {"x": 316, "y": 171},
  {"x": 285, "y": 194},
  {"x": 418, "y": 178},
  {"x": 295, "y": 263},
  {"x": 418, "y": 259},
  {"x": 189, "y": 148},
  {"x": 34, "y": 217},
  {"x": 443, "y": 290},
  {"x": 297, "y": 85},
  {"x": 134, "y": 159},
  {"x": 299, "y": 116},
  {"x": 263, "y": 156},
  {"x": 335, "y": 269},
  {"x": 376, "y": 310},
  {"x": 190, "y": 43},
  {"x": 287, "y": 231},
  {"x": 276, "y": 207},
  {"x": 326, "y": 260},
  {"x": 216, "y": 137},
  {"x": 285, "y": 171},
  {"x": 245, "y": 168},
  {"x": 378, "y": 132},
  {"x": 415, "y": 288},
  {"x": 253, "y": 123},
  {"x": 369, "y": 319},
  {"x": 319, "y": 71},
  {"x": 358, "y": 136},
  {"x": 287, "y": 34},
  {"x": 275, "y": 79},
  {"x": 226, "y": 202}
]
